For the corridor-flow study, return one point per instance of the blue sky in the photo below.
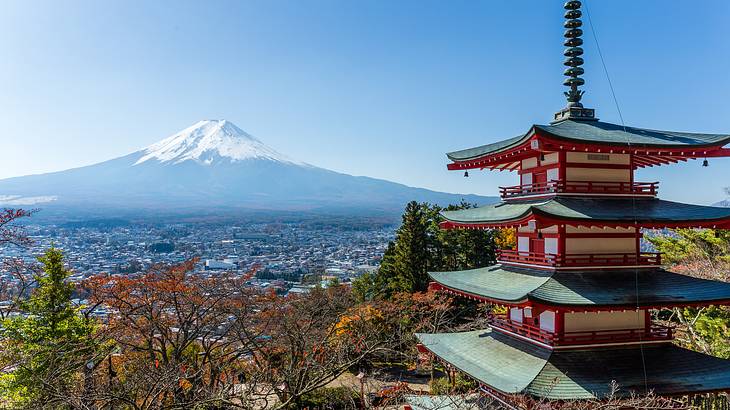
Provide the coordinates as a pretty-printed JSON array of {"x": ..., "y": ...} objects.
[{"x": 380, "y": 88}]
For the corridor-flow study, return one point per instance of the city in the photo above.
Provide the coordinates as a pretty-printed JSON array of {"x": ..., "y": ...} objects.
[{"x": 283, "y": 253}]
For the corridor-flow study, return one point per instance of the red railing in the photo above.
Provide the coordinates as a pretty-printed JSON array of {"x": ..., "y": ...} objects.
[
  {"x": 654, "y": 332},
  {"x": 575, "y": 260},
  {"x": 528, "y": 189},
  {"x": 522, "y": 329},
  {"x": 580, "y": 187},
  {"x": 530, "y": 258}
]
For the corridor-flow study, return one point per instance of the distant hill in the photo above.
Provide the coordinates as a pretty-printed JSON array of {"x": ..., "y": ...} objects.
[
  {"x": 209, "y": 167},
  {"x": 725, "y": 203}
]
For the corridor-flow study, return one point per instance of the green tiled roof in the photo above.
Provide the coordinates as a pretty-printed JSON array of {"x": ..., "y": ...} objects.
[
  {"x": 494, "y": 282},
  {"x": 586, "y": 288},
  {"x": 600, "y": 133},
  {"x": 476, "y": 152},
  {"x": 456, "y": 402},
  {"x": 483, "y": 354},
  {"x": 514, "y": 366},
  {"x": 600, "y": 209}
]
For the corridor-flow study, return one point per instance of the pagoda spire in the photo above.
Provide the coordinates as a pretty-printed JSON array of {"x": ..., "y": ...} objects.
[{"x": 573, "y": 60}]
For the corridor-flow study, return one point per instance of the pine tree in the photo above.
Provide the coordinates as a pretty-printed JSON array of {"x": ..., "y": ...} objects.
[
  {"x": 462, "y": 248},
  {"x": 409, "y": 269},
  {"x": 421, "y": 246},
  {"x": 48, "y": 345}
]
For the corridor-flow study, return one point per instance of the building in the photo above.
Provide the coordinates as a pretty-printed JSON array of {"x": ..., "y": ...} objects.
[
  {"x": 212, "y": 264},
  {"x": 578, "y": 290}
]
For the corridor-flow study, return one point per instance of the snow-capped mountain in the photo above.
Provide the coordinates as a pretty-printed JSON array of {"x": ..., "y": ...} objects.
[
  {"x": 212, "y": 165},
  {"x": 211, "y": 141}
]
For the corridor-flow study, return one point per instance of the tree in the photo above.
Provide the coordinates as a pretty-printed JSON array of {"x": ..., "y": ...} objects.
[
  {"x": 10, "y": 232},
  {"x": 299, "y": 344},
  {"x": 169, "y": 327},
  {"x": 185, "y": 340},
  {"x": 50, "y": 345},
  {"x": 18, "y": 277},
  {"x": 407, "y": 266},
  {"x": 703, "y": 253},
  {"x": 707, "y": 246},
  {"x": 462, "y": 248},
  {"x": 421, "y": 246}
]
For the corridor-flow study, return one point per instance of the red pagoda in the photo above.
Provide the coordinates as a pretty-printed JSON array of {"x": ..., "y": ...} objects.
[{"x": 578, "y": 289}]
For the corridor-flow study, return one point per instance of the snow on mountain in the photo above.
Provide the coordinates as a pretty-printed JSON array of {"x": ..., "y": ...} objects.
[
  {"x": 211, "y": 141},
  {"x": 212, "y": 166}
]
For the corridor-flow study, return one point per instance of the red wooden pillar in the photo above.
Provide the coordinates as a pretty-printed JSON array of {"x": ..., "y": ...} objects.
[
  {"x": 631, "y": 170},
  {"x": 561, "y": 243},
  {"x": 560, "y": 323}
]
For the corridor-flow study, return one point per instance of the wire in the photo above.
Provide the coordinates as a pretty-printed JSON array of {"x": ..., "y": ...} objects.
[
  {"x": 605, "y": 69},
  {"x": 633, "y": 198}
]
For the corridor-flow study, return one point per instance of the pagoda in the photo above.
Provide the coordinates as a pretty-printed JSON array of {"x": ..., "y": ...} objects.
[{"x": 578, "y": 290}]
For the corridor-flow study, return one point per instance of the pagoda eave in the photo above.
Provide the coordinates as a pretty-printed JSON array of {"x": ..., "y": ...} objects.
[
  {"x": 618, "y": 289},
  {"x": 659, "y": 148},
  {"x": 530, "y": 301},
  {"x": 589, "y": 211},
  {"x": 512, "y": 366}
]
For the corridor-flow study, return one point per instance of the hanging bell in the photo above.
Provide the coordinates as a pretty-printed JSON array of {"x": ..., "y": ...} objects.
[
  {"x": 466, "y": 174},
  {"x": 705, "y": 163}
]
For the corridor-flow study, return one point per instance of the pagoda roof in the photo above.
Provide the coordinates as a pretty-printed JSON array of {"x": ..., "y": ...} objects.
[
  {"x": 618, "y": 211},
  {"x": 513, "y": 366},
  {"x": 595, "y": 288},
  {"x": 443, "y": 402},
  {"x": 601, "y": 133}
]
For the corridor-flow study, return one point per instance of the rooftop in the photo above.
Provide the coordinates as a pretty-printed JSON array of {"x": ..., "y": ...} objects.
[
  {"x": 516, "y": 367},
  {"x": 601, "y": 133},
  {"x": 656, "y": 287},
  {"x": 646, "y": 212}
]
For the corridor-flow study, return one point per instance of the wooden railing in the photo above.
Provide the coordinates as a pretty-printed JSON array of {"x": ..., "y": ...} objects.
[
  {"x": 654, "y": 332},
  {"x": 575, "y": 260},
  {"x": 580, "y": 187},
  {"x": 522, "y": 329}
]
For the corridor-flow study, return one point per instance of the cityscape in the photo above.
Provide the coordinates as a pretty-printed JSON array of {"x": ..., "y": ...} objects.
[{"x": 286, "y": 255}]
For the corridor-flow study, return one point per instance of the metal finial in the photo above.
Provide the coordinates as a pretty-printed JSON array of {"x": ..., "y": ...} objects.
[
  {"x": 573, "y": 53},
  {"x": 573, "y": 61}
]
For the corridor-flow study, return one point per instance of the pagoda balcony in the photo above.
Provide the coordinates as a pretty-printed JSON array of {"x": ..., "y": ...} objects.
[
  {"x": 550, "y": 260},
  {"x": 580, "y": 188},
  {"x": 654, "y": 333}
]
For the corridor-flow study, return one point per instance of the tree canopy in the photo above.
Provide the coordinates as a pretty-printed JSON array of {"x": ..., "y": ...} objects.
[{"x": 421, "y": 246}]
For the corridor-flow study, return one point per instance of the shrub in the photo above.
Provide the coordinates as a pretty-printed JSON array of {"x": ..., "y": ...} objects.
[
  {"x": 331, "y": 398},
  {"x": 442, "y": 386}
]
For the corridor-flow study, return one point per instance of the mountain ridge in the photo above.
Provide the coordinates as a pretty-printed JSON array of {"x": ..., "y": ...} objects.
[{"x": 215, "y": 164}]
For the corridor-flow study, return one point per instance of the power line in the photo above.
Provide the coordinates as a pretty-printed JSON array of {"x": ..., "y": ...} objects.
[{"x": 633, "y": 198}]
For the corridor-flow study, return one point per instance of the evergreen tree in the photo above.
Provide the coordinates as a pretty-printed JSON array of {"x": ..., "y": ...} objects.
[
  {"x": 48, "y": 345},
  {"x": 463, "y": 248},
  {"x": 407, "y": 267},
  {"x": 421, "y": 246}
]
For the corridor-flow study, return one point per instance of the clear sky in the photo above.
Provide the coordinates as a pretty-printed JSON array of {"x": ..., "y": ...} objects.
[{"x": 374, "y": 87}]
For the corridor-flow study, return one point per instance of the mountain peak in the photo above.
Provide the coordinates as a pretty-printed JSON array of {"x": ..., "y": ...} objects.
[{"x": 208, "y": 142}]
